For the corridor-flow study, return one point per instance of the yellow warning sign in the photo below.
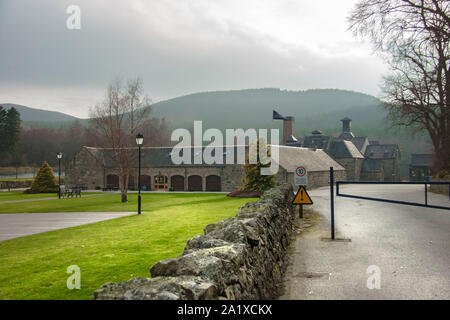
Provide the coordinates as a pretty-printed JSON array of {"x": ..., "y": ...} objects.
[{"x": 302, "y": 197}]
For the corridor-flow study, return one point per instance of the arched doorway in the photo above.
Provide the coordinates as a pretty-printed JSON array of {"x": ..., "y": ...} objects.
[
  {"x": 177, "y": 183},
  {"x": 112, "y": 181},
  {"x": 146, "y": 182},
  {"x": 160, "y": 182},
  {"x": 195, "y": 183},
  {"x": 213, "y": 183}
]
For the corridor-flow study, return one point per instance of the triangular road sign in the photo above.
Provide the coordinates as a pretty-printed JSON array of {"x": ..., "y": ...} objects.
[{"x": 302, "y": 197}]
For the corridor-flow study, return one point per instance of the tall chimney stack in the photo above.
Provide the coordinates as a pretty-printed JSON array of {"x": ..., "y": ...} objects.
[
  {"x": 346, "y": 125},
  {"x": 288, "y": 128}
]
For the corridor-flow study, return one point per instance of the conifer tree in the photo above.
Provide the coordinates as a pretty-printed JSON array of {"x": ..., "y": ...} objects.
[
  {"x": 12, "y": 127},
  {"x": 253, "y": 180},
  {"x": 45, "y": 181},
  {"x": 2, "y": 129}
]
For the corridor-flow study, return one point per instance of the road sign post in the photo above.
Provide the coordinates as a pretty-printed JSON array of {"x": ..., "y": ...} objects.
[
  {"x": 300, "y": 176},
  {"x": 332, "y": 201},
  {"x": 302, "y": 197}
]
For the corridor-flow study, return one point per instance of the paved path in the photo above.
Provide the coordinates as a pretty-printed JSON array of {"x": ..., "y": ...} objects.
[
  {"x": 49, "y": 198},
  {"x": 410, "y": 245},
  {"x": 14, "y": 225}
]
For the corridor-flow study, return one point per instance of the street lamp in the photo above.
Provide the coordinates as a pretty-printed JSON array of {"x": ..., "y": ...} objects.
[
  {"x": 59, "y": 156},
  {"x": 139, "y": 142}
]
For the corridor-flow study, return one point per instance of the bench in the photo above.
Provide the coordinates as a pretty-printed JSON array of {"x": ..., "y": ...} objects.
[{"x": 69, "y": 193}]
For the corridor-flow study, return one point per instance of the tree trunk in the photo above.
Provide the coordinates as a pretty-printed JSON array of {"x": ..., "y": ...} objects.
[
  {"x": 124, "y": 196},
  {"x": 124, "y": 187},
  {"x": 441, "y": 159}
]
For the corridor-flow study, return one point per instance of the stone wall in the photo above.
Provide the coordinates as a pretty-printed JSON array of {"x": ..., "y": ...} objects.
[
  {"x": 16, "y": 184},
  {"x": 315, "y": 178},
  {"x": 237, "y": 258},
  {"x": 391, "y": 169},
  {"x": 352, "y": 166}
]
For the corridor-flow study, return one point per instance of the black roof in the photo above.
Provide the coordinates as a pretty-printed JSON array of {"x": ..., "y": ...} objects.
[
  {"x": 361, "y": 143},
  {"x": 344, "y": 149},
  {"x": 381, "y": 151},
  {"x": 347, "y": 136},
  {"x": 159, "y": 156}
]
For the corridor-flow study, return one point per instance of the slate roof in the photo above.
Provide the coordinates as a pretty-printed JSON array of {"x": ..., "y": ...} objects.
[
  {"x": 288, "y": 157},
  {"x": 361, "y": 143},
  {"x": 347, "y": 136},
  {"x": 421, "y": 160},
  {"x": 381, "y": 151},
  {"x": 344, "y": 149},
  {"x": 156, "y": 156}
]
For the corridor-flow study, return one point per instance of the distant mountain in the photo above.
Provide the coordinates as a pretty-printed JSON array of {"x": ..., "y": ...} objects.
[
  {"x": 252, "y": 108},
  {"x": 28, "y": 114}
]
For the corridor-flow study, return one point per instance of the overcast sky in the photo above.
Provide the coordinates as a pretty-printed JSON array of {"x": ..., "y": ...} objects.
[{"x": 177, "y": 47}]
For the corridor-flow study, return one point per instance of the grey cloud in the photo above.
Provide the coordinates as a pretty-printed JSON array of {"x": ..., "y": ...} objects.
[{"x": 174, "y": 56}]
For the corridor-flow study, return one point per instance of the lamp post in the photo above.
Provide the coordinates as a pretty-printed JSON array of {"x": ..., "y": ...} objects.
[
  {"x": 139, "y": 142},
  {"x": 59, "y": 156}
]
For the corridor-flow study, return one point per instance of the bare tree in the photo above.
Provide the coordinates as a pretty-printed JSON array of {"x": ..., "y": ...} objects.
[
  {"x": 118, "y": 118},
  {"x": 413, "y": 36}
]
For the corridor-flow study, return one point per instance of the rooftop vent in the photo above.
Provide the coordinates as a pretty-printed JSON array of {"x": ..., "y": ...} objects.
[{"x": 346, "y": 124}]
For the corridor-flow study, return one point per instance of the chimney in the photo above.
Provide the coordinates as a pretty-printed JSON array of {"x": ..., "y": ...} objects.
[
  {"x": 288, "y": 128},
  {"x": 346, "y": 125}
]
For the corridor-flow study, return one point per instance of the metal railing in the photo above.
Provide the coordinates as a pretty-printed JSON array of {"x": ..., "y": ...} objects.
[{"x": 425, "y": 183}]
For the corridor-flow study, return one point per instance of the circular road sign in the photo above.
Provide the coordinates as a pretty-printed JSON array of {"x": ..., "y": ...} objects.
[{"x": 300, "y": 171}]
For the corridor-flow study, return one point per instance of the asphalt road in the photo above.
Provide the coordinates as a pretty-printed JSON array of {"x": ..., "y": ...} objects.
[
  {"x": 14, "y": 225},
  {"x": 409, "y": 246}
]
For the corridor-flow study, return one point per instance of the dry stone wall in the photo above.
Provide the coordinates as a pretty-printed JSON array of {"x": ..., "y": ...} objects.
[{"x": 237, "y": 258}]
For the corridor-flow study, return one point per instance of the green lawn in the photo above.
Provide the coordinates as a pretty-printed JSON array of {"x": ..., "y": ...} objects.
[
  {"x": 34, "y": 267},
  {"x": 19, "y": 195},
  {"x": 99, "y": 202}
]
